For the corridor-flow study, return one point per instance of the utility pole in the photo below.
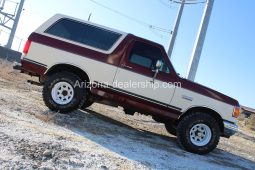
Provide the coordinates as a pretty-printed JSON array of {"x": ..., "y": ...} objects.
[
  {"x": 15, "y": 24},
  {"x": 175, "y": 30},
  {"x": 2, "y": 2},
  {"x": 197, "y": 51}
]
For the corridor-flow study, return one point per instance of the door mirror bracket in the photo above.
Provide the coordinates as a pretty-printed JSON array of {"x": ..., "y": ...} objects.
[{"x": 156, "y": 71}]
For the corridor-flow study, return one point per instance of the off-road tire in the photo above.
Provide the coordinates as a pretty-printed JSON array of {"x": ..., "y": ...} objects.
[
  {"x": 79, "y": 96},
  {"x": 185, "y": 125},
  {"x": 88, "y": 102}
]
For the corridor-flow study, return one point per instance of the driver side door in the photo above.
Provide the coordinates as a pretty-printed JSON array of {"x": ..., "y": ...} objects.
[{"x": 136, "y": 71}]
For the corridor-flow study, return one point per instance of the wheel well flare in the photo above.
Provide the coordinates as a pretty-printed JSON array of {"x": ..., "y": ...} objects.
[
  {"x": 207, "y": 111},
  {"x": 69, "y": 68}
]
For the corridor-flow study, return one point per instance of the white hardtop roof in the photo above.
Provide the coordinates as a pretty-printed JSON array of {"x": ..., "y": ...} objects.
[{"x": 60, "y": 16}]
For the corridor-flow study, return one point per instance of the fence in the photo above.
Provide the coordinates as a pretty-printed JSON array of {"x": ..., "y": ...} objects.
[
  {"x": 18, "y": 43},
  {"x": 9, "y": 55}
]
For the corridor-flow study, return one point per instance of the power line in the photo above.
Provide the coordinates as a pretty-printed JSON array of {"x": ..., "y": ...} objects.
[
  {"x": 166, "y": 4},
  {"x": 156, "y": 33},
  {"x": 1, "y": 30},
  {"x": 189, "y": 2},
  {"x": 132, "y": 18}
]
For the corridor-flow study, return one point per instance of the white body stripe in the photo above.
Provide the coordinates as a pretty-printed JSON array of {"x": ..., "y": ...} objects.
[{"x": 97, "y": 71}]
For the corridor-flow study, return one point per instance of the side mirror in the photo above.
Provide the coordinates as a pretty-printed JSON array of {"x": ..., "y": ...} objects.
[{"x": 159, "y": 64}]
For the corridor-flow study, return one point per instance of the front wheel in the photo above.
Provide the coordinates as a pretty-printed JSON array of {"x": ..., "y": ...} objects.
[
  {"x": 89, "y": 100},
  {"x": 198, "y": 133},
  {"x": 62, "y": 93}
]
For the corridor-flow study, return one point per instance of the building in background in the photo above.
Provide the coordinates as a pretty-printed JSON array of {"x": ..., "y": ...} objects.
[{"x": 247, "y": 112}]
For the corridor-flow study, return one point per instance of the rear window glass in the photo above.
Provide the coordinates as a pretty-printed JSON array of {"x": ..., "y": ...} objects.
[{"x": 84, "y": 34}]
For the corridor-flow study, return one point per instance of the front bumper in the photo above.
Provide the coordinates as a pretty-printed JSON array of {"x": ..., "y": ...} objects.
[{"x": 230, "y": 128}]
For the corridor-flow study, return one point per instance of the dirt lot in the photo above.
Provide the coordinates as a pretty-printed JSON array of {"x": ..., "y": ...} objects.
[{"x": 101, "y": 137}]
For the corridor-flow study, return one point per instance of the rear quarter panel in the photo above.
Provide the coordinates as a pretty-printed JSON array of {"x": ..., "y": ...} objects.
[{"x": 52, "y": 56}]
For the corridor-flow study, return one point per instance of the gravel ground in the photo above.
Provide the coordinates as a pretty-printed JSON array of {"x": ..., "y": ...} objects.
[{"x": 101, "y": 137}]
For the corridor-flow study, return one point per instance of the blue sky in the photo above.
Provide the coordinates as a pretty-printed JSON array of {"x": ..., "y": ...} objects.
[{"x": 228, "y": 58}]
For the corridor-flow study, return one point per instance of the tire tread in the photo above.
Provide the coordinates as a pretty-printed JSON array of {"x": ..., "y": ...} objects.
[{"x": 182, "y": 127}]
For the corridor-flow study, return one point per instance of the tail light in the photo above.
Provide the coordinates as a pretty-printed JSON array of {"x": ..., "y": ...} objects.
[{"x": 27, "y": 46}]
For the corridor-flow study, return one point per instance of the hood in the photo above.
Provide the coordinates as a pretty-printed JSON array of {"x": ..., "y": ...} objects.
[{"x": 187, "y": 84}]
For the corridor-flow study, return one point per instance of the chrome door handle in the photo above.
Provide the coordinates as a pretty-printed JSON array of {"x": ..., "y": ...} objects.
[{"x": 125, "y": 66}]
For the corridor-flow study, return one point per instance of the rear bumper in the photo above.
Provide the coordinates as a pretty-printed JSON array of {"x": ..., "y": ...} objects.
[
  {"x": 230, "y": 128},
  {"x": 31, "y": 67}
]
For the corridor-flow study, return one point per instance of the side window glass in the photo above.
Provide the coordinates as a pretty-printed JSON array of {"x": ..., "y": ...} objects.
[
  {"x": 146, "y": 56},
  {"x": 141, "y": 60},
  {"x": 84, "y": 33}
]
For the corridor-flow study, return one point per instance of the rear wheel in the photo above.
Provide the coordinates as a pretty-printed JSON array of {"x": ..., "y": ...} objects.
[
  {"x": 61, "y": 92},
  {"x": 198, "y": 133}
]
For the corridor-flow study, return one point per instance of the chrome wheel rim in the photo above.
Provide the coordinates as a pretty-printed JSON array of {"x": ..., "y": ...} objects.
[
  {"x": 62, "y": 93},
  {"x": 200, "y": 134}
]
